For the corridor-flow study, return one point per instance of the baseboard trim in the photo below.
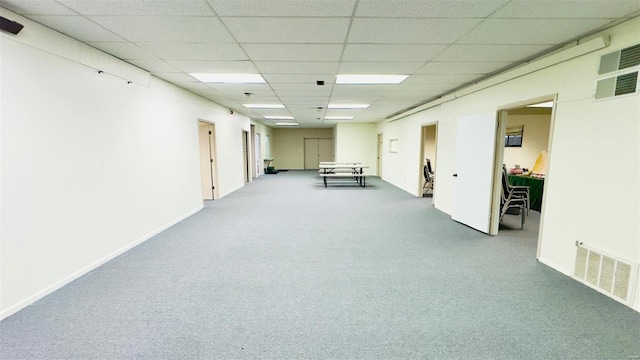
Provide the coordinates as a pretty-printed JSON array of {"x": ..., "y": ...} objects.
[
  {"x": 555, "y": 266},
  {"x": 61, "y": 283}
]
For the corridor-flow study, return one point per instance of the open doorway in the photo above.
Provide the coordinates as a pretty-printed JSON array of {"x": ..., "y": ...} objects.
[
  {"x": 245, "y": 156},
  {"x": 206, "y": 137},
  {"x": 428, "y": 159},
  {"x": 379, "y": 158},
  {"x": 522, "y": 154}
]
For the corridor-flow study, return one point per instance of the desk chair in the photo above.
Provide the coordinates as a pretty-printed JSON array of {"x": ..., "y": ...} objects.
[
  {"x": 510, "y": 200},
  {"x": 429, "y": 178},
  {"x": 517, "y": 190}
]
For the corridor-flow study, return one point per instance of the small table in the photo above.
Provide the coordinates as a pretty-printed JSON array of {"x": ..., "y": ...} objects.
[{"x": 536, "y": 188}]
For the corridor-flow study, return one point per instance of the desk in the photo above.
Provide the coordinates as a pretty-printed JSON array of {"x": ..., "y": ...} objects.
[{"x": 536, "y": 187}]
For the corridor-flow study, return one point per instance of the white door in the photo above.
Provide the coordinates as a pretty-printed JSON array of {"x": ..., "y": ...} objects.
[
  {"x": 475, "y": 149},
  {"x": 205, "y": 132}
]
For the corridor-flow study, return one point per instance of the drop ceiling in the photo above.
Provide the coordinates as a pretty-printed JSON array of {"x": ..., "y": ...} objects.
[{"x": 441, "y": 44}]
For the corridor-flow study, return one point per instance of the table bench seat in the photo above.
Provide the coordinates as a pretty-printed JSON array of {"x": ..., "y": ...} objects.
[{"x": 360, "y": 178}]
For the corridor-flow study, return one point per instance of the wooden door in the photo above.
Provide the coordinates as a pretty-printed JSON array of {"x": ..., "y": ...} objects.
[
  {"x": 325, "y": 150},
  {"x": 311, "y": 153}
]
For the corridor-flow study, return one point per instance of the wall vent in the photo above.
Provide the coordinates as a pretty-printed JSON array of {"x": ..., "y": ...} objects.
[
  {"x": 619, "y": 71},
  {"x": 607, "y": 274},
  {"x": 619, "y": 60},
  {"x": 623, "y": 84}
]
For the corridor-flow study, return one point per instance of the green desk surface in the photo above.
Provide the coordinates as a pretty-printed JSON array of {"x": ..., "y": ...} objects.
[{"x": 536, "y": 187}]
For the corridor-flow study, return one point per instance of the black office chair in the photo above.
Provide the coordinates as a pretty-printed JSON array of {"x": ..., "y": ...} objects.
[{"x": 429, "y": 178}]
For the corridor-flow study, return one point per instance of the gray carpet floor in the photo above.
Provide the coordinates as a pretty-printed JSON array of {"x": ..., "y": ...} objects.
[{"x": 286, "y": 269}]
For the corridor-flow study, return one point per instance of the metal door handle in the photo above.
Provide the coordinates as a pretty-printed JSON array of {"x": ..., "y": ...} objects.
[{"x": 455, "y": 175}]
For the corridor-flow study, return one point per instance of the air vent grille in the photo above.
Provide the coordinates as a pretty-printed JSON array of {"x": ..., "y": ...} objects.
[
  {"x": 629, "y": 57},
  {"x": 610, "y": 275},
  {"x": 626, "y": 84}
]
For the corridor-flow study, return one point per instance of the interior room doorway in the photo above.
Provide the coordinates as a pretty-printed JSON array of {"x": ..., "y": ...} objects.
[
  {"x": 428, "y": 159},
  {"x": 206, "y": 137},
  {"x": 245, "y": 156},
  {"x": 524, "y": 147},
  {"x": 379, "y": 158}
]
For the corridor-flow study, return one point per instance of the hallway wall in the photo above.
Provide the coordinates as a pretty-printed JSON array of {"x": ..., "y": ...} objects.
[{"x": 91, "y": 166}]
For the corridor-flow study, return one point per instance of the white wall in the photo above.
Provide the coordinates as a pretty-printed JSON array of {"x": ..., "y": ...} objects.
[
  {"x": 357, "y": 143},
  {"x": 91, "y": 165},
  {"x": 600, "y": 208}
]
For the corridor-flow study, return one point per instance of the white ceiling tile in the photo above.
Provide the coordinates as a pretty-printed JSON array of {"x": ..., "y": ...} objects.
[
  {"x": 76, "y": 27},
  {"x": 419, "y": 88},
  {"x": 438, "y": 79},
  {"x": 139, "y": 7},
  {"x": 305, "y": 100},
  {"x": 267, "y": 97},
  {"x": 298, "y": 93},
  {"x": 409, "y": 31},
  {"x": 390, "y": 67},
  {"x": 529, "y": 31},
  {"x": 215, "y": 66},
  {"x": 299, "y": 8},
  {"x": 301, "y": 67},
  {"x": 362, "y": 90},
  {"x": 288, "y": 30},
  {"x": 195, "y": 51},
  {"x": 428, "y": 8},
  {"x": 414, "y": 96},
  {"x": 294, "y": 52},
  {"x": 36, "y": 7},
  {"x": 288, "y": 78},
  {"x": 238, "y": 89},
  {"x": 499, "y": 53},
  {"x": 387, "y": 52},
  {"x": 176, "y": 77},
  {"x": 124, "y": 50},
  {"x": 311, "y": 86},
  {"x": 189, "y": 85},
  {"x": 154, "y": 66},
  {"x": 567, "y": 9},
  {"x": 166, "y": 28},
  {"x": 458, "y": 67}
]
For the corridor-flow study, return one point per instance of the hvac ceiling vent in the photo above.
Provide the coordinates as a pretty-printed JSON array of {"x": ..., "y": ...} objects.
[
  {"x": 607, "y": 274},
  {"x": 619, "y": 72}
]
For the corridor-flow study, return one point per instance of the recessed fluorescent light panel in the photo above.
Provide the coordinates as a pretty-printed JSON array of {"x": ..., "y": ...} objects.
[
  {"x": 348, "y": 106},
  {"x": 286, "y": 124},
  {"x": 370, "y": 79},
  {"x": 263, "y": 106},
  {"x": 229, "y": 78},
  {"x": 278, "y": 117},
  {"x": 547, "y": 104},
  {"x": 338, "y": 117}
]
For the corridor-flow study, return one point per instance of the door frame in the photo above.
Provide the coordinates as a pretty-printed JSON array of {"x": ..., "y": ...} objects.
[
  {"x": 422, "y": 157},
  {"x": 380, "y": 152},
  {"x": 499, "y": 159},
  {"x": 213, "y": 167},
  {"x": 246, "y": 154}
]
